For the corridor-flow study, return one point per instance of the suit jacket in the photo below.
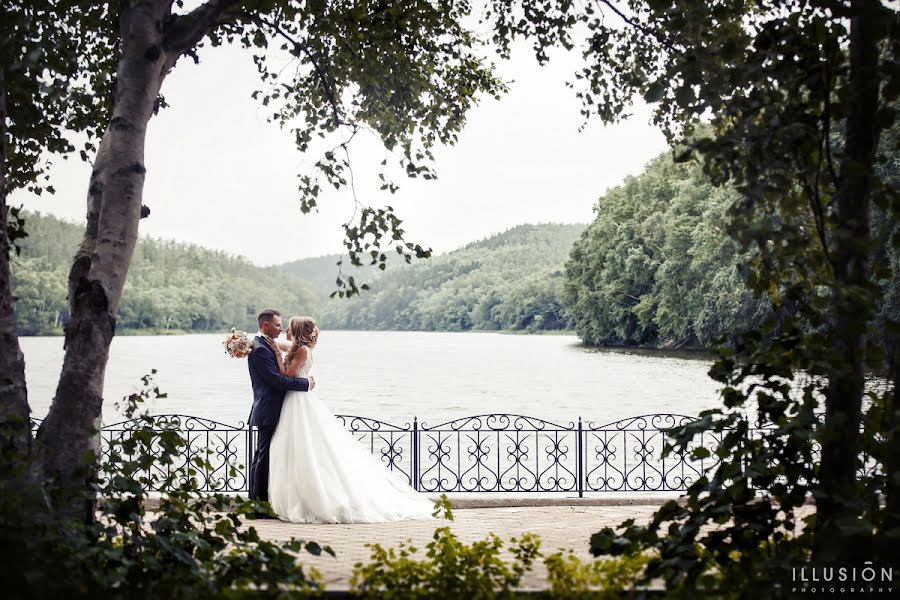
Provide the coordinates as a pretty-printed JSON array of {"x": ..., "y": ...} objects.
[{"x": 269, "y": 385}]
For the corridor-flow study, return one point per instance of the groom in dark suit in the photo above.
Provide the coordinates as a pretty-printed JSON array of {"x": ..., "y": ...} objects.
[{"x": 269, "y": 387}]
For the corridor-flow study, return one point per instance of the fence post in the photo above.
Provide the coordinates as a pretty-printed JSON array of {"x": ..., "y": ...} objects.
[
  {"x": 249, "y": 455},
  {"x": 580, "y": 468},
  {"x": 415, "y": 454}
]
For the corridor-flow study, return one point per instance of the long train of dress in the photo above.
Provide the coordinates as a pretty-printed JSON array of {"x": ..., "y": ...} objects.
[{"x": 318, "y": 473}]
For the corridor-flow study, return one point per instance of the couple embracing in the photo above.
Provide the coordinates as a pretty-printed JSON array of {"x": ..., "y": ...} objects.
[{"x": 306, "y": 465}]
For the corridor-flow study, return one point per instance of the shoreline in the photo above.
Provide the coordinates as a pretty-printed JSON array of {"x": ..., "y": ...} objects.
[{"x": 151, "y": 331}]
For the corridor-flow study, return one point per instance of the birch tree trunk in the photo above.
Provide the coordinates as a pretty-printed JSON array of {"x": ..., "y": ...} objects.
[
  {"x": 837, "y": 504},
  {"x": 151, "y": 40},
  {"x": 68, "y": 435}
]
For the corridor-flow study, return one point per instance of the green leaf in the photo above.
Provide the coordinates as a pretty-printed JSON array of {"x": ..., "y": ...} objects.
[{"x": 654, "y": 92}]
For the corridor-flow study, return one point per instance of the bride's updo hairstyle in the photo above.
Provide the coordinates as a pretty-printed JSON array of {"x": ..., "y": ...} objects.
[{"x": 304, "y": 332}]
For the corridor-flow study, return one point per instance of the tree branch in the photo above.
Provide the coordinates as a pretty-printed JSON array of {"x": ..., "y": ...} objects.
[
  {"x": 661, "y": 251},
  {"x": 320, "y": 74},
  {"x": 655, "y": 34},
  {"x": 183, "y": 32},
  {"x": 815, "y": 203},
  {"x": 826, "y": 118}
]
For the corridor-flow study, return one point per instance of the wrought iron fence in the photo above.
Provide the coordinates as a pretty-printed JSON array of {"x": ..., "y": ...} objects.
[
  {"x": 498, "y": 453},
  {"x": 482, "y": 453},
  {"x": 225, "y": 450}
]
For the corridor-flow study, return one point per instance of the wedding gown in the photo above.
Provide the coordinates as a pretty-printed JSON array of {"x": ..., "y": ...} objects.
[{"x": 318, "y": 472}]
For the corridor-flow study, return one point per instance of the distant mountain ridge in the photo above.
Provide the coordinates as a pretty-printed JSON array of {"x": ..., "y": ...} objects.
[
  {"x": 510, "y": 280},
  {"x": 320, "y": 273}
]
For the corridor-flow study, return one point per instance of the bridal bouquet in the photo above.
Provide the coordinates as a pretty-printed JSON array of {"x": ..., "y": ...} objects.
[{"x": 238, "y": 344}]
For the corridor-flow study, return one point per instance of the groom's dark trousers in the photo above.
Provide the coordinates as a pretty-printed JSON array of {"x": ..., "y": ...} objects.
[
  {"x": 269, "y": 387},
  {"x": 259, "y": 468}
]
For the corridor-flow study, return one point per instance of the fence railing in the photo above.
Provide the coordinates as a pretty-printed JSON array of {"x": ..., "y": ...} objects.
[{"x": 483, "y": 453}]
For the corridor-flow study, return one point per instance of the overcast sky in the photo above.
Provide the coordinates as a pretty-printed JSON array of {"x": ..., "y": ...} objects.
[{"x": 215, "y": 166}]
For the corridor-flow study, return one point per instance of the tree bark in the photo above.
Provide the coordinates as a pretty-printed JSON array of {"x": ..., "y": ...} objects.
[
  {"x": 15, "y": 424},
  {"x": 837, "y": 504},
  {"x": 892, "y": 445},
  {"x": 69, "y": 433},
  {"x": 152, "y": 40}
]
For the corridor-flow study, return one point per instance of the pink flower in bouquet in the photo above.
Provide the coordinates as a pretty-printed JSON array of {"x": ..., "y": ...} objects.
[{"x": 237, "y": 344}]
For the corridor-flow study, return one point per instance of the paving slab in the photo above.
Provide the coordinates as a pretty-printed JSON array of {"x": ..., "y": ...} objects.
[{"x": 559, "y": 527}]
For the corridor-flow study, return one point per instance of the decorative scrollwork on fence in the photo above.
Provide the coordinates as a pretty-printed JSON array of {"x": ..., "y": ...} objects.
[
  {"x": 494, "y": 452},
  {"x": 626, "y": 456},
  {"x": 392, "y": 444},
  {"x": 214, "y": 454},
  {"x": 498, "y": 453}
]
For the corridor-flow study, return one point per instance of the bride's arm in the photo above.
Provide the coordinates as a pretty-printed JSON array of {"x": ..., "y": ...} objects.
[
  {"x": 283, "y": 347},
  {"x": 279, "y": 349},
  {"x": 292, "y": 369}
]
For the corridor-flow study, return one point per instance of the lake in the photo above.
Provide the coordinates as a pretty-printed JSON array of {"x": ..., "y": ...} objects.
[{"x": 393, "y": 375}]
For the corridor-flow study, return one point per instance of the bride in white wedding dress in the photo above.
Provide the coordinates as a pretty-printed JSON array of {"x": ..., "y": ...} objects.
[{"x": 318, "y": 473}]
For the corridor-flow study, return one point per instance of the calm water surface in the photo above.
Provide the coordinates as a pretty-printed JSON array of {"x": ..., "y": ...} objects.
[{"x": 395, "y": 375}]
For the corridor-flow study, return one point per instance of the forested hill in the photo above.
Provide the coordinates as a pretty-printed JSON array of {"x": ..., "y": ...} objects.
[
  {"x": 512, "y": 280},
  {"x": 321, "y": 272},
  {"x": 171, "y": 286},
  {"x": 657, "y": 268}
]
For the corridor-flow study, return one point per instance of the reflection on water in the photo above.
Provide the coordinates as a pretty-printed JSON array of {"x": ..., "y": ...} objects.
[{"x": 394, "y": 375}]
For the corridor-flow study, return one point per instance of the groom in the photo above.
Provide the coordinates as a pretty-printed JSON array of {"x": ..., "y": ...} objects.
[{"x": 269, "y": 387}]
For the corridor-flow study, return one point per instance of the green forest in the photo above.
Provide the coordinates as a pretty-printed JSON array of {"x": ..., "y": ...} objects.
[
  {"x": 655, "y": 268},
  {"x": 658, "y": 268},
  {"x": 171, "y": 287},
  {"x": 512, "y": 280}
]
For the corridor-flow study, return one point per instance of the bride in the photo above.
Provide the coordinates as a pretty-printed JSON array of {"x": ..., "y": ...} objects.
[{"x": 318, "y": 473}]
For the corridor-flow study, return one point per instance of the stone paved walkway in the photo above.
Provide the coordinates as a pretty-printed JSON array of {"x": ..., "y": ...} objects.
[{"x": 568, "y": 526}]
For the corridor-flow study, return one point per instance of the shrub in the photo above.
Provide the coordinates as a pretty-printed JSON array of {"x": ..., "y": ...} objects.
[
  {"x": 570, "y": 577},
  {"x": 193, "y": 546},
  {"x": 449, "y": 569}
]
